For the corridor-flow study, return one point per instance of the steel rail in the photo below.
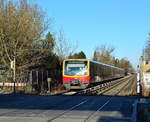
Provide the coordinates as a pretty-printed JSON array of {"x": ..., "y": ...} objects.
[
  {"x": 66, "y": 111},
  {"x": 100, "y": 108}
]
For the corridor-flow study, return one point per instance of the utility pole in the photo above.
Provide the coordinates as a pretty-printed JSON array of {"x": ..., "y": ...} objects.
[{"x": 14, "y": 71}]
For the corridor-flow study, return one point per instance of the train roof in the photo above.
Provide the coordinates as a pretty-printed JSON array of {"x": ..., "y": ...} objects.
[
  {"x": 77, "y": 60},
  {"x": 106, "y": 65},
  {"x": 94, "y": 62}
]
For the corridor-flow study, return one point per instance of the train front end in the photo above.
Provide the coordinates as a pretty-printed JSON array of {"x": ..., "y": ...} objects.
[{"x": 76, "y": 73}]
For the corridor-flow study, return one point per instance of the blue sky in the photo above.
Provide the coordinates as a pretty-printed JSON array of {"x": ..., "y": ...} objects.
[{"x": 123, "y": 24}]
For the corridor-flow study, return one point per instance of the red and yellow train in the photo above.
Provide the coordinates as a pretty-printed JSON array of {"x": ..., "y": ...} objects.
[{"x": 80, "y": 73}]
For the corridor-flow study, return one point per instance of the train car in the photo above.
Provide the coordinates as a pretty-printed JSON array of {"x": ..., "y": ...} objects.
[
  {"x": 145, "y": 77},
  {"x": 80, "y": 73}
]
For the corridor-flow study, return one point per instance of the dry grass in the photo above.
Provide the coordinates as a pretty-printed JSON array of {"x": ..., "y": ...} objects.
[
  {"x": 6, "y": 90},
  {"x": 130, "y": 88},
  {"x": 145, "y": 92},
  {"x": 29, "y": 90}
]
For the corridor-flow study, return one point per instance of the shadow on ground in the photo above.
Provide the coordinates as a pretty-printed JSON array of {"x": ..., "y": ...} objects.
[{"x": 121, "y": 105}]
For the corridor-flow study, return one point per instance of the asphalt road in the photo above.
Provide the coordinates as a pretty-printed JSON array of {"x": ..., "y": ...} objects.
[{"x": 33, "y": 108}]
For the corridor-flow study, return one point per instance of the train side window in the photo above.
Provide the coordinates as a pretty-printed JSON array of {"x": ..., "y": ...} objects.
[{"x": 104, "y": 74}]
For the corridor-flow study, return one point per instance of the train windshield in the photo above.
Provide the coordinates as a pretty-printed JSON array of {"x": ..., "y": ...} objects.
[{"x": 77, "y": 68}]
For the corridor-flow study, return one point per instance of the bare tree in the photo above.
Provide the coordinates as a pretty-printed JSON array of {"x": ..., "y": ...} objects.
[
  {"x": 126, "y": 65},
  {"x": 21, "y": 27},
  {"x": 146, "y": 52},
  {"x": 63, "y": 47},
  {"x": 104, "y": 54}
]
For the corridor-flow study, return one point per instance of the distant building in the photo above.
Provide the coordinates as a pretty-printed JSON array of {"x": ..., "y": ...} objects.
[{"x": 145, "y": 76}]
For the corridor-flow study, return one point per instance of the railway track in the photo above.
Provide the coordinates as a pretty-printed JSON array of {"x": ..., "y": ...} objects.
[
  {"x": 91, "y": 116},
  {"x": 122, "y": 87},
  {"x": 116, "y": 87},
  {"x": 99, "y": 89}
]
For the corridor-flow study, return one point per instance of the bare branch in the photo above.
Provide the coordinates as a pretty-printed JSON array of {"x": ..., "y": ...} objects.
[
  {"x": 22, "y": 26},
  {"x": 63, "y": 47}
]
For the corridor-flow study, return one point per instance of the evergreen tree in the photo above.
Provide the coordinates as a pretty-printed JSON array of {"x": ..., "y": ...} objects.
[{"x": 80, "y": 55}]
